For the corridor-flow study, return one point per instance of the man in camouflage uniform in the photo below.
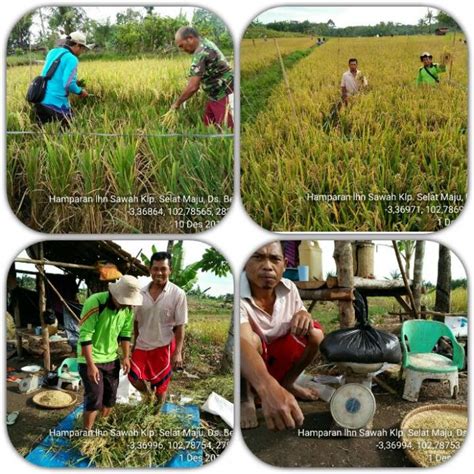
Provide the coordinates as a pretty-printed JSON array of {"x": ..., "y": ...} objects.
[{"x": 210, "y": 70}]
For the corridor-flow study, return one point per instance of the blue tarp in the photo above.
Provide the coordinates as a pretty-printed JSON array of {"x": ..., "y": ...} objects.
[{"x": 43, "y": 456}]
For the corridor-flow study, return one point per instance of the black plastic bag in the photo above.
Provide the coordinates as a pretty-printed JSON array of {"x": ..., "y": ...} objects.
[
  {"x": 362, "y": 343},
  {"x": 51, "y": 379}
]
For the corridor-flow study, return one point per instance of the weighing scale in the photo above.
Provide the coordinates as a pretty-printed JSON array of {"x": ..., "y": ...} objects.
[{"x": 353, "y": 404}]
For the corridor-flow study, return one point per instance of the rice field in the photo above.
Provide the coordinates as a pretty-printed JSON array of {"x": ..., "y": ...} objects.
[
  {"x": 133, "y": 182},
  {"x": 306, "y": 162},
  {"x": 256, "y": 54}
]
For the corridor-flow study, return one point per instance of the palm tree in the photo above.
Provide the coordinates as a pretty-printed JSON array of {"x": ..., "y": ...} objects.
[{"x": 429, "y": 18}]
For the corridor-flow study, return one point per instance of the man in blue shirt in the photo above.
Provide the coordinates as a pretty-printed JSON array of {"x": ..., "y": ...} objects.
[{"x": 55, "y": 106}]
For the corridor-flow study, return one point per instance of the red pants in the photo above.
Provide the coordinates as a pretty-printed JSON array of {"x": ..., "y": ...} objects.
[
  {"x": 153, "y": 366},
  {"x": 218, "y": 112},
  {"x": 283, "y": 353}
]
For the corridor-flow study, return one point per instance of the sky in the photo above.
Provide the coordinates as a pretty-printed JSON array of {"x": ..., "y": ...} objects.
[
  {"x": 193, "y": 250},
  {"x": 347, "y": 16}
]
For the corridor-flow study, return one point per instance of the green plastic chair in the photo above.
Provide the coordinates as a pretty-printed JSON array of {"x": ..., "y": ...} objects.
[
  {"x": 419, "y": 362},
  {"x": 69, "y": 375}
]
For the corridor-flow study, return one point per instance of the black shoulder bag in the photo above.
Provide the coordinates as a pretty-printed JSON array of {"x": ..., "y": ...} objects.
[{"x": 37, "y": 88}]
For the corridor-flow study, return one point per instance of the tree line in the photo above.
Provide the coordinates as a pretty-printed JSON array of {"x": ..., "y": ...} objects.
[
  {"x": 132, "y": 31},
  {"x": 426, "y": 25}
]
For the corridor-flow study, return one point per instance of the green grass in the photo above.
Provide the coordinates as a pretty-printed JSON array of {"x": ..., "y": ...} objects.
[
  {"x": 25, "y": 59},
  {"x": 257, "y": 88},
  {"x": 206, "y": 335},
  {"x": 327, "y": 313}
]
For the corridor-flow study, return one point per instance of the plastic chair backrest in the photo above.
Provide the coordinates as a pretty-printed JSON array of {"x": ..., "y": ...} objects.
[
  {"x": 71, "y": 363},
  {"x": 422, "y": 335}
]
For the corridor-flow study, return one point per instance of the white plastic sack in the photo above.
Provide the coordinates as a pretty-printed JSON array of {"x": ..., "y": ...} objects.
[
  {"x": 457, "y": 324},
  {"x": 126, "y": 392},
  {"x": 217, "y": 405},
  {"x": 325, "y": 391}
]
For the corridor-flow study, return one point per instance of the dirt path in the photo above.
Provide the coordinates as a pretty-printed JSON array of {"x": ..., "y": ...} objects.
[{"x": 295, "y": 449}]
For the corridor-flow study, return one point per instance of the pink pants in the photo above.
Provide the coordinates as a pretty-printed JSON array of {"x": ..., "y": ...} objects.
[{"x": 218, "y": 112}]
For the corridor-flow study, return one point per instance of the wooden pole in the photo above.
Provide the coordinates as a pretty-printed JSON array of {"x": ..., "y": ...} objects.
[
  {"x": 42, "y": 309},
  {"x": 384, "y": 385},
  {"x": 17, "y": 319},
  {"x": 345, "y": 277},
  {"x": 43, "y": 262},
  {"x": 64, "y": 302},
  {"x": 427, "y": 312},
  {"x": 418, "y": 273},
  {"x": 443, "y": 281},
  {"x": 405, "y": 279},
  {"x": 404, "y": 305},
  {"x": 19, "y": 340},
  {"x": 327, "y": 294},
  {"x": 451, "y": 59}
]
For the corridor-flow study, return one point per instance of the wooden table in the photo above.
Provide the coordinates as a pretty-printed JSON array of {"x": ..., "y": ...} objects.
[{"x": 31, "y": 337}]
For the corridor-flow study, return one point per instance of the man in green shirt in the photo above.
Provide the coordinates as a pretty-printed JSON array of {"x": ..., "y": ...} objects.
[
  {"x": 209, "y": 70},
  {"x": 428, "y": 73},
  {"x": 106, "y": 319}
]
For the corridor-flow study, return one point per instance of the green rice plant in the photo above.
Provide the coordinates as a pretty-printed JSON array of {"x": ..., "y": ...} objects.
[
  {"x": 459, "y": 300},
  {"x": 114, "y": 147},
  {"x": 120, "y": 166}
]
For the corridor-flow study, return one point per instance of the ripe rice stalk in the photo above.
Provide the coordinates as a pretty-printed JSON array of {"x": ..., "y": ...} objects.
[
  {"x": 380, "y": 144},
  {"x": 135, "y": 436},
  {"x": 170, "y": 120}
]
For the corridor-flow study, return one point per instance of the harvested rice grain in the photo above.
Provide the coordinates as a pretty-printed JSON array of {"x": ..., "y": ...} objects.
[
  {"x": 433, "y": 436},
  {"x": 53, "y": 399}
]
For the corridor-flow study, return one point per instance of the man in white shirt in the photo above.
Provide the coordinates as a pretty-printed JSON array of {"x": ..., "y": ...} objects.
[
  {"x": 278, "y": 340},
  {"x": 353, "y": 81},
  {"x": 159, "y": 330}
]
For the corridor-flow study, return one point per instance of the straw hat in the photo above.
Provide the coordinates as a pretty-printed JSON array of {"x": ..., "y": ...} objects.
[
  {"x": 126, "y": 291},
  {"x": 79, "y": 38}
]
